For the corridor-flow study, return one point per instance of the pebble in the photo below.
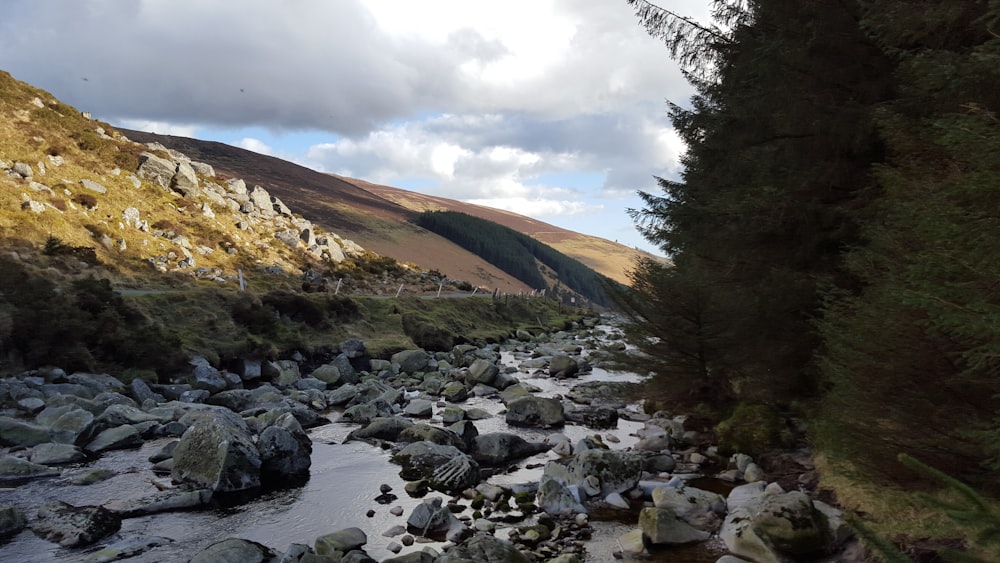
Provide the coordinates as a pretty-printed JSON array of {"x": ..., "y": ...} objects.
[{"x": 396, "y": 511}]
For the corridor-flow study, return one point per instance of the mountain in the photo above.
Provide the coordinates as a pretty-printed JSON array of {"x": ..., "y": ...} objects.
[
  {"x": 381, "y": 217},
  {"x": 605, "y": 257}
]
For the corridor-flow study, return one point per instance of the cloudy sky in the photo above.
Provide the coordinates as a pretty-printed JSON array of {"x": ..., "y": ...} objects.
[{"x": 554, "y": 109}]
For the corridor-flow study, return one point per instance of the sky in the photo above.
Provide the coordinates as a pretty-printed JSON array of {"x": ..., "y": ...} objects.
[{"x": 554, "y": 109}]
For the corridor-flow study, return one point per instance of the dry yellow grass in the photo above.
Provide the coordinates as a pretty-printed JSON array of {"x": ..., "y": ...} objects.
[{"x": 34, "y": 135}]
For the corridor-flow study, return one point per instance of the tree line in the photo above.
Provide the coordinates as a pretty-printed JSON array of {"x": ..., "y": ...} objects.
[
  {"x": 835, "y": 233},
  {"x": 516, "y": 253}
]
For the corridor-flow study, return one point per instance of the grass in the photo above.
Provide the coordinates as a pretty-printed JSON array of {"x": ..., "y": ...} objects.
[{"x": 904, "y": 517}]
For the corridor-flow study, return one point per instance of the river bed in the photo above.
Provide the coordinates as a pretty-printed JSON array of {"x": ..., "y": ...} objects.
[{"x": 343, "y": 483}]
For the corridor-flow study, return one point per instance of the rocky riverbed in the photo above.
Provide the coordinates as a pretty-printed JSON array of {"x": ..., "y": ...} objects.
[{"x": 513, "y": 452}]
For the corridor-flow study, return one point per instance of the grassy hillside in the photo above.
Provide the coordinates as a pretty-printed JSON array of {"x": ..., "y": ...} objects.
[
  {"x": 605, "y": 257},
  {"x": 517, "y": 253}
]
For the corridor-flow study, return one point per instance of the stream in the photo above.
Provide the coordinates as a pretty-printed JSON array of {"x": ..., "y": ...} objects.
[{"x": 343, "y": 482}]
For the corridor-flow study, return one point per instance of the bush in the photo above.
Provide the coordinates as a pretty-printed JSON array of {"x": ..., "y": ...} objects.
[
  {"x": 752, "y": 429},
  {"x": 86, "y": 200}
]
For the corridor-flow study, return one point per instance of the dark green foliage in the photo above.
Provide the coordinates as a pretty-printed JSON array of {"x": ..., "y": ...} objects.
[
  {"x": 752, "y": 429},
  {"x": 514, "y": 252},
  {"x": 56, "y": 247},
  {"x": 257, "y": 318},
  {"x": 919, "y": 344},
  {"x": 86, "y": 327},
  {"x": 426, "y": 334},
  {"x": 295, "y": 307}
]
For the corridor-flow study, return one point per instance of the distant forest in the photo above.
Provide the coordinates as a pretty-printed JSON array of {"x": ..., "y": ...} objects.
[{"x": 515, "y": 253}]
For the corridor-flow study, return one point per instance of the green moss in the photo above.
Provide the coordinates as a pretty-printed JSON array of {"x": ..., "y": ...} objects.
[{"x": 751, "y": 429}]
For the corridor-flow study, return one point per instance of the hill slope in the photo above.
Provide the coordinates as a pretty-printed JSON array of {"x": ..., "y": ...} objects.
[
  {"x": 363, "y": 216},
  {"x": 605, "y": 257}
]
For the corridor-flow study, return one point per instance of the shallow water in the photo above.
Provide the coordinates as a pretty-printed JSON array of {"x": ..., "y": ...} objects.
[{"x": 343, "y": 482}]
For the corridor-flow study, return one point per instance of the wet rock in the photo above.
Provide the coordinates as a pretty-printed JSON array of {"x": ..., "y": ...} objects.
[
  {"x": 74, "y": 526},
  {"x": 217, "y": 452},
  {"x": 285, "y": 449},
  {"x": 15, "y": 432},
  {"x": 410, "y": 361},
  {"x": 537, "y": 412},
  {"x": 92, "y": 476},
  {"x": 498, "y": 448},
  {"x": 631, "y": 545},
  {"x": 71, "y": 425},
  {"x": 598, "y": 418},
  {"x": 126, "y": 548},
  {"x": 444, "y": 467},
  {"x": 663, "y": 527},
  {"x": 557, "y": 498},
  {"x": 421, "y": 432},
  {"x": 12, "y": 521},
  {"x": 341, "y": 541},
  {"x": 563, "y": 366},
  {"x": 235, "y": 549},
  {"x": 420, "y": 408},
  {"x": 118, "y": 438},
  {"x": 383, "y": 428},
  {"x": 432, "y": 520},
  {"x": 702, "y": 509},
  {"x": 617, "y": 471},
  {"x": 163, "y": 501},
  {"x": 772, "y": 527},
  {"x": 484, "y": 548},
  {"x": 327, "y": 373},
  {"x": 15, "y": 469},
  {"x": 482, "y": 372},
  {"x": 365, "y": 413},
  {"x": 455, "y": 392},
  {"x": 56, "y": 454}
]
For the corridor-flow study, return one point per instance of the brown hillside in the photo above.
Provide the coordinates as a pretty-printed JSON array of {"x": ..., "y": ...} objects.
[
  {"x": 603, "y": 256},
  {"x": 340, "y": 206}
]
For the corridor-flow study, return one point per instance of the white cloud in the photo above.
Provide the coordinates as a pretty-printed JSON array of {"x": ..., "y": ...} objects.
[
  {"x": 160, "y": 127},
  {"x": 539, "y": 207},
  {"x": 255, "y": 145}
]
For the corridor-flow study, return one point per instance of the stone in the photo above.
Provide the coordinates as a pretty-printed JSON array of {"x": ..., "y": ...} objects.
[
  {"x": 497, "y": 448},
  {"x": 341, "y": 541},
  {"x": 702, "y": 509},
  {"x": 185, "y": 181},
  {"x": 752, "y": 473},
  {"x": 205, "y": 376},
  {"x": 383, "y": 428},
  {"x": 12, "y": 521},
  {"x": 15, "y": 432},
  {"x": 420, "y": 408},
  {"x": 17, "y": 469},
  {"x": 663, "y": 527},
  {"x": 772, "y": 527},
  {"x": 93, "y": 186},
  {"x": 327, "y": 373},
  {"x": 235, "y": 550},
  {"x": 455, "y": 392},
  {"x": 431, "y": 520},
  {"x": 556, "y": 498},
  {"x": 285, "y": 449},
  {"x": 483, "y": 372},
  {"x": 126, "y": 548},
  {"x": 156, "y": 170},
  {"x": 410, "y": 361},
  {"x": 74, "y": 526},
  {"x": 538, "y": 412},
  {"x": 616, "y": 500},
  {"x": 563, "y": 366},
  {"x": 218, "y": 453},
  {"x": 56, "y": 454},
  {"x": 162, "y": 501},
  {"x": 632, "y": 544},
  {"x": 617, "y": 471},
  {"x": 484, "y": 548},
  {"x": 445, "y": 467}
]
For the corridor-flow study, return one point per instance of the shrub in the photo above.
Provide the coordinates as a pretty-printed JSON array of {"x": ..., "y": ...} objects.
[
  {"x": 86, "y": 200},
  {"x": 752, "y": 429}
]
